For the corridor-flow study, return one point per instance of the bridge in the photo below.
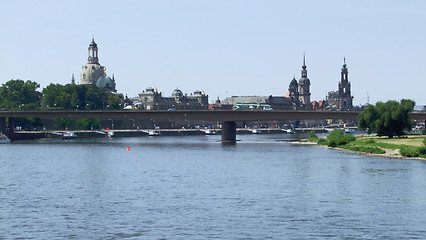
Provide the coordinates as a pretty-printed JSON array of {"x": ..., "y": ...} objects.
[{"x": 228, "y": 118}]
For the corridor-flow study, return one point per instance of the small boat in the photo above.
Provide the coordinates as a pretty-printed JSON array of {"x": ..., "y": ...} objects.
[
  {"x": 69, "y": 135},
  {"x": 289, "y": 131},
  {"x": 152, "y": 133},
  {"x": 347, "y": 130},
  {"x": 254, "y": 131},
  {"x": 110, "y": 134},
  {"x": 208, "y": 132}
]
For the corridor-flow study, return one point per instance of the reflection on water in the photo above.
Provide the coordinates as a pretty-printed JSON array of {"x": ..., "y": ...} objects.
[{"x": 197, "y": 188}]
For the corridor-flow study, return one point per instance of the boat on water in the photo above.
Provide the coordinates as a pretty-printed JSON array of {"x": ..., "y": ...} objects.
[
  {"x": 69, "y": 135},
  {"x": 254, "y": 131},
  {"x": 110, "y": 134},
  {"x": 289, "y": 131},
  {"x": 152, "y": 133},
  {"x": 348, "y": 131},
  {"x": 209, "y": 132}
]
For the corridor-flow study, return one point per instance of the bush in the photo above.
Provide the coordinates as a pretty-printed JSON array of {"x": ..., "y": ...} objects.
[
  {"x": 322, "y": 141},
  {"x": 409, "y": 151},
  {"x": 366, "y": 149},
  {"x": 312, "y": 136},
  {"x": 337, "y": 138},
  {"x": 422, "y": 150}
]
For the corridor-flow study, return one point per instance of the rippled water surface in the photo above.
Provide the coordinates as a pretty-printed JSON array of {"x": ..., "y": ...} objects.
[{"x": 197, "y": 188}]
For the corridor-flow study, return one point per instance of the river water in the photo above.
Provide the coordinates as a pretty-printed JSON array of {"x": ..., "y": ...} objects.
[{"x": 197, "y": 188}]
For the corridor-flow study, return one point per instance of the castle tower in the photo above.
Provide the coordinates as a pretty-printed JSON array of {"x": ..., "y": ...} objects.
[{"x": 304, "y": 85}]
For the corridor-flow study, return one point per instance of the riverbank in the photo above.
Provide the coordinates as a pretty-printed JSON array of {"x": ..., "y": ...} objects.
[{"x": 408, "y": 147}]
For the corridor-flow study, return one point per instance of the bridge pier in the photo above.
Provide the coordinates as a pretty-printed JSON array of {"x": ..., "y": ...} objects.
[
  {"x": 3, "y": 125},
  {"x": 229, "y": 132},
  {"x": 11, "y": 127}
]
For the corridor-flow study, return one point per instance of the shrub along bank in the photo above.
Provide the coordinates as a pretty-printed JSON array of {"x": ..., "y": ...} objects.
[{"x": 368, "y": 145}]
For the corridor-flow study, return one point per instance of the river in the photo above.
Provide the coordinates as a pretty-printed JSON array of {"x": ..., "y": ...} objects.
[{"x": 197, "y": 188}]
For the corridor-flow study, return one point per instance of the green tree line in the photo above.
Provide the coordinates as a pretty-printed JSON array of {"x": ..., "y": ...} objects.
[{"x": 24, "y": 95}]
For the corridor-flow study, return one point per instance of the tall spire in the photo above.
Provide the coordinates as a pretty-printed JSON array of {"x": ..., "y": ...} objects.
[{"x": 304, "y": 71}]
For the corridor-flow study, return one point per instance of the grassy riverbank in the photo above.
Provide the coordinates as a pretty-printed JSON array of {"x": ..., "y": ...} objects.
[{"x": 408, "y": 146}]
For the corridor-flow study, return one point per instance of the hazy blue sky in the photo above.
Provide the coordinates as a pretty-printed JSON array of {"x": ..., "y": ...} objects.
[{"x": 224, "y": 47}]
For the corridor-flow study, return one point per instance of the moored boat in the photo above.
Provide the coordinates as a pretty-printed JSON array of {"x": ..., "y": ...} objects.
[{"x": 69, "y": 135}]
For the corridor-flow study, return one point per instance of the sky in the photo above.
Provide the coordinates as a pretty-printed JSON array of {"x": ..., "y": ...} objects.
[{"x": 224, "y": 47}]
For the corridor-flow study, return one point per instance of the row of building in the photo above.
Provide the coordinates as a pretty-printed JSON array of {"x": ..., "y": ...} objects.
[{"x": 298, "y": 96}]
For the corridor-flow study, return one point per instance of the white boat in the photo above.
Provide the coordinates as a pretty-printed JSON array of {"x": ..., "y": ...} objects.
[
  {"x": 347, "y": 130},
  {"x": 289, "y": 131},
  {"x": 110, "y": 134},
  {"x": 254, "y": 131},
  {"x": 69, "y": 135},
  {"x": 208, "y": 131},
  {"x": 152, "y": 133}
]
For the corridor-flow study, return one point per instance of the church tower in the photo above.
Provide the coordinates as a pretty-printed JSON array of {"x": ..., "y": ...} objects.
[
  {"x": 345, "y": 89},
  {"x": 342, "y": 99},
  {"x": 93, "y": 52},
  {"x": 304, "y": 85},
  {"x": 294, "y": 91},
  {"x": 92, "y": 71}
]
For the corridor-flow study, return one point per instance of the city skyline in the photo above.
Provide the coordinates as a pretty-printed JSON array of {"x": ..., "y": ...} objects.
[{"x": 227, "y": 48}]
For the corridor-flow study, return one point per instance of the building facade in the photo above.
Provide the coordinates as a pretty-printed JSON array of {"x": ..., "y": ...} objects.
[{"x": 151, "y": 99}]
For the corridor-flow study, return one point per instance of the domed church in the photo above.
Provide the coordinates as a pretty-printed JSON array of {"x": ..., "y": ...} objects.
[{"x": 95, "y": 74}]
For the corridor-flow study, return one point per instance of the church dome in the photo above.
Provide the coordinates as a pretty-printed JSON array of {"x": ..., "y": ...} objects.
[
  {"x": 106, "y": 82},
  {"x": 177, "y": 93},
  {"x": 91, "y": 72}
]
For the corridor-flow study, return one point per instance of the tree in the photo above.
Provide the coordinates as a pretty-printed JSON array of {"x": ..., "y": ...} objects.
[
  {"x": 87, "y": 97},
  {"x": 88, "y": 123},
  {"x": 64, "y": 123},
  {"x": 20, "y": 94},
  {"x": 387, "y": 119},
  {"x": 114, "y": 102}
]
